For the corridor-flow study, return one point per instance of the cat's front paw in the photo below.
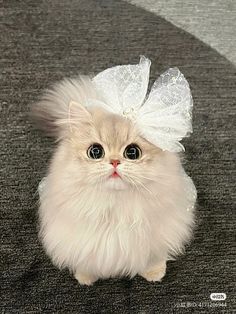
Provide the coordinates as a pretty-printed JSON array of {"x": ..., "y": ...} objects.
[
  {"x": 155, "y": 273},
  {"x": 84, "y": 279}
]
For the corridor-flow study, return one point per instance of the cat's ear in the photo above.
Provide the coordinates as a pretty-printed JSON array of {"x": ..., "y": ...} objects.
[
  {"x": 57, "y": 112},
  {"x": 78, "y": 116}
]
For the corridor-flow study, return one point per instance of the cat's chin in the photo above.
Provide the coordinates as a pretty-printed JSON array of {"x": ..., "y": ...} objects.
[{"x": 115, "y": 184}]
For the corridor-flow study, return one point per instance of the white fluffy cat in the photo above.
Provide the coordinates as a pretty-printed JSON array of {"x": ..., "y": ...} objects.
[{"x": 112, "y": 203}]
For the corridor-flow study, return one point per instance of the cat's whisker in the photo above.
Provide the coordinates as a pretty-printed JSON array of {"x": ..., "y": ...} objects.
[
  {"x": 132, "y": 182},
  {"x": 143, "y": 177},
  {"x": 140, "y": 183},
  {"x": 154, "y": 180},
  {"x": 139, "y": 188},
  {"x": 143, "y": 186},
  {"x": 163, "y": 174},
  {"x": 66, "y": 121}
]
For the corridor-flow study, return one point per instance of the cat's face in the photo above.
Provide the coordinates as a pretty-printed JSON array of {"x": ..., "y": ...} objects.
[
  {"x": 98, "y": 148},
  {"x": 109, "y": 153}
]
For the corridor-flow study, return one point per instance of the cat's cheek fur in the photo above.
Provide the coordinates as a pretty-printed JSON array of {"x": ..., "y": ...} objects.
[{"x": 109, "y": 232}]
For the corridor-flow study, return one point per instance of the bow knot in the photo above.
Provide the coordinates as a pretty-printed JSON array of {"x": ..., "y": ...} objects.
[{"x": 130, "y": 113}]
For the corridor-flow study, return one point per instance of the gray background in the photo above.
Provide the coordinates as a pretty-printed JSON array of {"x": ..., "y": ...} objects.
[{"x": 44, "y": 41}]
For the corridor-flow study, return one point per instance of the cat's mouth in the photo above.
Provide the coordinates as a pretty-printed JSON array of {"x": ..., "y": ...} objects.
[
  {"x": 115, "y": 180},
  {"x": 115, "y": 174}
]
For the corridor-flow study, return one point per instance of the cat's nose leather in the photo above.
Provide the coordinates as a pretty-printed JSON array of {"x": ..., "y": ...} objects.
[{"x": 115, "y": 162}]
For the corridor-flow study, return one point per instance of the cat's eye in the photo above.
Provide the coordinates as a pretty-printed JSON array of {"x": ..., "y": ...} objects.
[
  {"x": 95, "y": 151},
  {"x": 133, "y": 152}
]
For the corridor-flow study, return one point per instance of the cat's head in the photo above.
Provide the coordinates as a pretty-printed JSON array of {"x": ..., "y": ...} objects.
[{"x": 101, "y": 149}]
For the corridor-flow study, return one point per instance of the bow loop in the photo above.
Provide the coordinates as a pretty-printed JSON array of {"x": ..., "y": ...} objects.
[{"x": 124, "y": 86}]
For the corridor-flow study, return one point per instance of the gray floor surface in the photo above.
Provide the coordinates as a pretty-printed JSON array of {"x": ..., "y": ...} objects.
[{"x": 212, "y": 21}]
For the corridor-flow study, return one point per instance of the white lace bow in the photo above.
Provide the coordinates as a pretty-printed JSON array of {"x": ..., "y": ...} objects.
[{"x": 164, "y": 116}]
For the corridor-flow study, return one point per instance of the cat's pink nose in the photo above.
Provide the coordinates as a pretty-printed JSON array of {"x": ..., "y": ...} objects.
[{"x": 115, "y": 162}]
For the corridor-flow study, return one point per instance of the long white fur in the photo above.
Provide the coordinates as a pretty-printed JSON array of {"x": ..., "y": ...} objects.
[{"x": 109, "y": 227}]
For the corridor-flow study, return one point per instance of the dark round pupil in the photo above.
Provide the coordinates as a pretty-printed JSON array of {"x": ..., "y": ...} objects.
[
  {"x": 95, "y": 151},
  {"x": 132, "y": 152}
]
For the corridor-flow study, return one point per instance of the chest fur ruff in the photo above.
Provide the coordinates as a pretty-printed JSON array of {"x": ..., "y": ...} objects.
[{"x": 108, "y": 234}]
